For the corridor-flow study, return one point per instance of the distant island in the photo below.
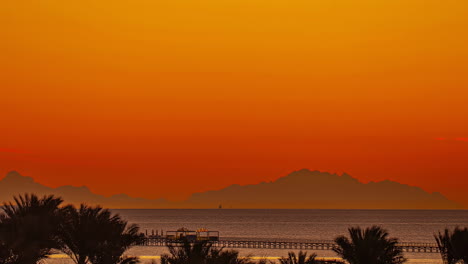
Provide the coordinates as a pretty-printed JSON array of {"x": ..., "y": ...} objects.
[{"x": 303, "y": 189}]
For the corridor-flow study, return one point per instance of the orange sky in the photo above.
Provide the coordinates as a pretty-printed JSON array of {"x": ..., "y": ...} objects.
[{"x": 165, "y": 98}]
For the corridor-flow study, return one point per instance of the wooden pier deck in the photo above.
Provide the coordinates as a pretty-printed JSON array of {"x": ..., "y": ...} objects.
[{"x": 311, "y": 245}]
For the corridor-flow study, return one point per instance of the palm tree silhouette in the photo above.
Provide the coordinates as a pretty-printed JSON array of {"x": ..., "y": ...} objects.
[
  {"x": 120, "y": 238},
  {"x": 453, "y": 246},
  {"x": 6, "y": 253},
  {"x": 369, "y": 246},
  {"x": 186, "y": 252},
  {"x": 94, "y": 235},
  {"x": 222, "y": 256},
  {"x": 301, "y": 258},
  {"x": 29, "y": 228},
  {"x": 200, "y": 252}
]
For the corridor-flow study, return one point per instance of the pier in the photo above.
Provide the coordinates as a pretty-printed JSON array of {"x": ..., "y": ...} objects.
[{"x": 311, "y": 245}]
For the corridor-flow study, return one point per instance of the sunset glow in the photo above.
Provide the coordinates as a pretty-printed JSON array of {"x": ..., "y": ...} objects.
[{"x": 167, "y": 98}]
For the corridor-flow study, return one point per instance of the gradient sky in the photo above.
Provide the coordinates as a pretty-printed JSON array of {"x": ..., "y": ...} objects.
[{"x": 169, "y": 97}]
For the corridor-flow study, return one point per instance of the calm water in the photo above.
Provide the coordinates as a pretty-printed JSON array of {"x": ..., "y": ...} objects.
[{"x": 297, "y": 225}]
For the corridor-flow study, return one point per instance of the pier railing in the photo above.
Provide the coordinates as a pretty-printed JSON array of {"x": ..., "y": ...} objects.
[{"x": 310, "y": 245}]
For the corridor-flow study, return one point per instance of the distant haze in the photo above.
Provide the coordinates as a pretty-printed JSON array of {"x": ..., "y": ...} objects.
[{"x": 300, "y": 189}]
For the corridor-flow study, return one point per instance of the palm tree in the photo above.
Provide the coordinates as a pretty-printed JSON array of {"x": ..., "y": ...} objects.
[
  {"x": 301, "y": 258},
  {"x": 186, "y": 252},
  {"x": 265, "y": 261},
  {"x": 200, "y": 252},
  {"x": 29, "y": 228},
  {"x": 453, "y": 246},
  {"x": 221, "y": 256},
  {"x": 369, "y": 246},
  {"x": 94, "y": 235},
  {"x": 445, "y": 247},
  {"x": 120, "y": 238},
  {"x": 6, "y": 254},
  {"x": 82, "y": 230}
]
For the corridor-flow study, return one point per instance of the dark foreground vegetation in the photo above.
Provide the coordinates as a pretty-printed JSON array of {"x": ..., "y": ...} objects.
[
  {"x": 201, "y": 253},
  {"x": 32, "y": 228},
  {"x": 453, "y": 245}
]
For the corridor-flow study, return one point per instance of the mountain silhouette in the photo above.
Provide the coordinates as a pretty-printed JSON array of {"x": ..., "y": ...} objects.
[
  {"x": 300, "y": 189},
  {"x": 14, "y": 184},
  {"x": 321, "y": 190}
]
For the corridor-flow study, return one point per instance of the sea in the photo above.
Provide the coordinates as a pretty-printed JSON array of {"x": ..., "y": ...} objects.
[{"x": 291, "y": 225}]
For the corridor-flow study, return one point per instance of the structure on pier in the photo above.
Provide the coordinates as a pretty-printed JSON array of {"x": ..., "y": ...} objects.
[{"x": 192, "y": 236}]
